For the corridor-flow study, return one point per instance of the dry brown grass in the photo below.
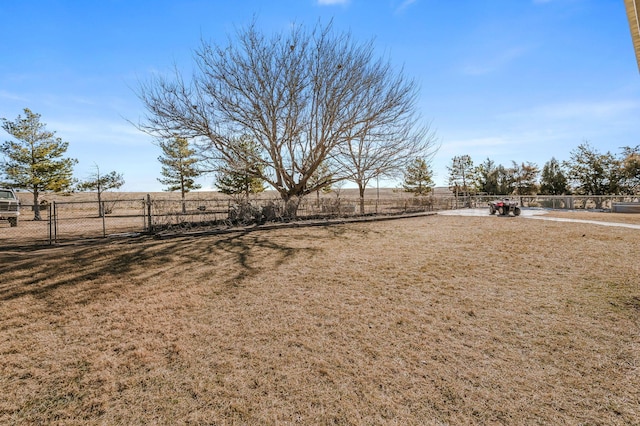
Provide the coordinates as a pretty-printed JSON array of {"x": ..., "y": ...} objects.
[{"x": 433, "y": 320}]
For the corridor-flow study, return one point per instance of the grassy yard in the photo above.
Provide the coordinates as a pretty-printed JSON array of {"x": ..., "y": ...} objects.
[{"x": 426, "y": 321}]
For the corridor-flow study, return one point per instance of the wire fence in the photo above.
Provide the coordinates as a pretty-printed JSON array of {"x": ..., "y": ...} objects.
[
  {"x": 85, "y": 219},
  {"x": 81, "y": 220},
  {"x": 68, "y": 221}
]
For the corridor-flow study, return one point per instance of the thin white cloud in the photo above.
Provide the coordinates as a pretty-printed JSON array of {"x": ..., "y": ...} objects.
[
  {"x": 404, "y": 5},
  {"x": 495, "y": 62},
  {"x": 12, "y": 96},
  {"x": 586, "y": 110},
  {"x": 86, "y": 131}
]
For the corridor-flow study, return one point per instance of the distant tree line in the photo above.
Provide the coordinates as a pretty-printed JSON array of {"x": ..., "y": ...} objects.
[
  {"x": 35, "y": 161},
  {"x": 586, "y": 172}
]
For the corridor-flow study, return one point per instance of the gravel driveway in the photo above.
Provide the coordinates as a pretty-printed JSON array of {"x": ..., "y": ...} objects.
[{"x": 534, "y": 214}]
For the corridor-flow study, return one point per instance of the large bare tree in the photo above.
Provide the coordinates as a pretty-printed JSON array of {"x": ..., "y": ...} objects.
[{"x": 300, "y": 95}]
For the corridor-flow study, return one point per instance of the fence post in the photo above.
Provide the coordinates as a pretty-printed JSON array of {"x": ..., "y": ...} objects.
[
  {"x": 51, "y": 223},
  {"x": 150, "y": 225},
  {"x": 53, "y": 238},
  {"x": 143, "y": 215},
  {"x": 104, "y": 213}
]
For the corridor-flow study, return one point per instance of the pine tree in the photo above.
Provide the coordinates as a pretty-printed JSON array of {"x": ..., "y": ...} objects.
[
  {"x": 461, "y": 174},
  {"x": 240, "y": 173},
  {"x": 486, "y": 177},
  {"x": 34, "y": 160},
  {"x": 179, "y": 167},
  {"x": 418, "y": 178},
  {"x": 525, "y": 177},
  {"x": 553, "y": 180}
]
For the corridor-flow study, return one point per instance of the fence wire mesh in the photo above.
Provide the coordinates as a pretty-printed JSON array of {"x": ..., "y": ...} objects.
[
  {"x": 28, "y": 232},
  {"x": 90, "y": 219},
  {"x": 76, "y": 220}
]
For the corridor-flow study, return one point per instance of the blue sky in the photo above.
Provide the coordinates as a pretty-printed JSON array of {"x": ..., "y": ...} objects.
[{"x": 521, "y": 80}]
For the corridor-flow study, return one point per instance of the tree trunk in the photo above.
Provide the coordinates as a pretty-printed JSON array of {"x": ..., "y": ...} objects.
[
  {"x": 598, "y": 201},
  {"x": 291, "y": 204},
  {"x": 36, "y": 206},
  {"x": 361, "y": 189},
  {"x": 182, "y": 191}
]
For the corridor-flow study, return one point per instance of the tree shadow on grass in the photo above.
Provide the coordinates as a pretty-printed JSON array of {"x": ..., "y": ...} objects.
[
  {"x": 242, "y": 249},
  {"x": 94, "y": 270}
]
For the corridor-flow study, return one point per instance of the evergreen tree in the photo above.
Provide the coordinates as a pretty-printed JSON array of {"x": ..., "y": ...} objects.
[
  {"x": 525, "y": 178},
  {"x": 418, "y": 178},
  {"x": 239, "y": 175},
  {"x": 593, "y": 173},
  {"x": 553, "y": 180},
  {"x": 505, "y": 178},
  {"x": 631, "y": 169},
  {"x": 461, "y": 174},
  {"x": 34, "y": 160},
  {"x": 179, "y": 167},
  {"x": 238, "y": 182},
  {"x": 486, "y": 177}
]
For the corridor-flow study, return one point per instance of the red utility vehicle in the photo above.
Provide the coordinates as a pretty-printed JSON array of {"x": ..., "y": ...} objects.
[{"x": 504, "y": 207}]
